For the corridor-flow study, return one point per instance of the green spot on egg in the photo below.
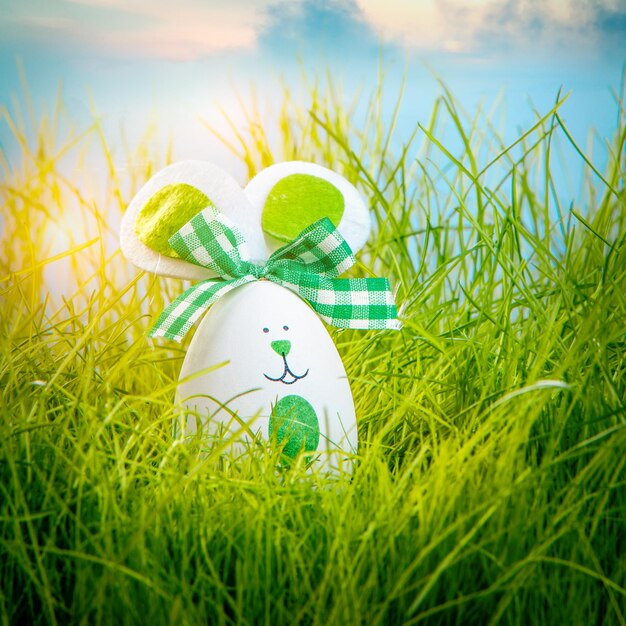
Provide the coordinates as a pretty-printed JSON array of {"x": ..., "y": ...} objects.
[
  {"x": 294, "y": 425},
  {"x": 297, "y": 201},
  {"x": 166, "y": 212}
]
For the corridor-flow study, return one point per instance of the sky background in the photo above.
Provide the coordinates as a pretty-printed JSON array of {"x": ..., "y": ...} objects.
[{"x": 140, "y": 60}]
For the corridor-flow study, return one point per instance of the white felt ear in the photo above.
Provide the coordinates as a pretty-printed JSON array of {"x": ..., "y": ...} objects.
[
  {"x": 355, "y": 223},
  {"x": 223, "y": 192}
]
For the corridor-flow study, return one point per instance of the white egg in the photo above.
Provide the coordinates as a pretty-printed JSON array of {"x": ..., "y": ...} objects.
[{"x": 279, "y": 376}]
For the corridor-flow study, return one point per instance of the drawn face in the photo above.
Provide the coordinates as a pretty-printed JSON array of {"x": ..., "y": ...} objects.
[{"x": 282, "y": 348}]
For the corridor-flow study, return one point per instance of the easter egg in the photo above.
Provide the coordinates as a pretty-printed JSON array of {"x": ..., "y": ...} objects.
[{"x": 263, "y": 366}]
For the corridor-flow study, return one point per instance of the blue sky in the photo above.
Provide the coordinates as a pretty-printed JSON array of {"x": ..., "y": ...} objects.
[{"x": 177, "y": 61}]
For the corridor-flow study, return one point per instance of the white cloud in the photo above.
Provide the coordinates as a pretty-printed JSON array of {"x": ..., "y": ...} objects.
[
  {"x": 188, "y": 29},
  {"x": 151, "y": 28},
  {"x": 425, "y": 24},
  {"x": 467, "y": 26}
]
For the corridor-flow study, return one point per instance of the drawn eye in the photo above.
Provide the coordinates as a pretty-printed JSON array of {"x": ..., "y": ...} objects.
[
  {"x": 285, "y": 327},
  {"x": 266, "y": 330}
]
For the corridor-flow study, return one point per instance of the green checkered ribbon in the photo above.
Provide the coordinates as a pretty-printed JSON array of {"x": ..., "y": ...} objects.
[{"x": 309, "y": 266}]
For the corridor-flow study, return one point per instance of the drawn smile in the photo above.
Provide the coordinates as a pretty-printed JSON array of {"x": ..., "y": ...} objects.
[{"x": 287, "y": 377}]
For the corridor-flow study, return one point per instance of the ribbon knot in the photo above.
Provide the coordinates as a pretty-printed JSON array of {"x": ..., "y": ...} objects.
[
  {"x": 309, "y": 266},
  {"x": 258, "y": 271}
]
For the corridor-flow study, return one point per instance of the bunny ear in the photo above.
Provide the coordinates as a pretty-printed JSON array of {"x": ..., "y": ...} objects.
[
  {"x": 275, "y": 207},
  {"x": 292, "y": 195},
  {"x": 169, "y": 200}
]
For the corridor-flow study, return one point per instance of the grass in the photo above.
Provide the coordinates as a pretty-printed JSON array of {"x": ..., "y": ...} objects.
[{"x": 491, "y": 480}]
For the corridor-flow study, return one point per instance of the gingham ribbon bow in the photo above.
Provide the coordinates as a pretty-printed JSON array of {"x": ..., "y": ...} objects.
[{"x": 309, "y": 266}]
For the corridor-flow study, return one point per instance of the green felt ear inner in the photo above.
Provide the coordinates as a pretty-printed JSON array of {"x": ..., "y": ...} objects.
[
  {"x": 166, "y": 212},
  {"x": 297, "y": 201}
]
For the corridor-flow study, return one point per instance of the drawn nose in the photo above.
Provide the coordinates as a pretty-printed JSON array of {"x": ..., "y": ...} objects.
[{"x": 281, "y": 347}]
